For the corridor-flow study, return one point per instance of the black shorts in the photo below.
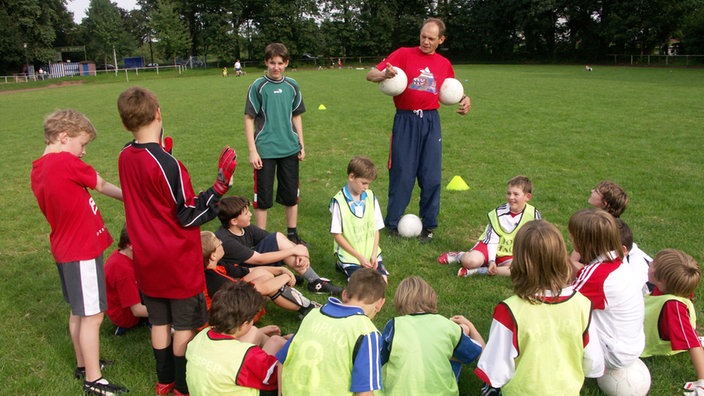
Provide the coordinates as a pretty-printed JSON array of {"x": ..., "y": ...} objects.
[
  {"x": 286, "y": 171},
  {"x": 183, "y": 314},
  {"x": 83, "y": 286}
]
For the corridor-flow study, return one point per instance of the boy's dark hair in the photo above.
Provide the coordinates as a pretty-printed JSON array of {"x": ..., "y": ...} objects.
[
  {"x": 231, "y": 207},
  {"x": 626, "y": 234},
  {"x": 70, "y": 121},
  {"x": 440, "y": 24},
  {"x": 362, "y": 167},
  {"x": 678, "y": 271},
  {"x": 235, "y": 303},
  {"x": 366, "y": 285},
  {"x": 523, "y": 182},
  {"x": 276, "y": 49},
  {"x": 613, "y": 196},
  {"x": 137, "y": 107},
  {"x": 124, "y": 240}
]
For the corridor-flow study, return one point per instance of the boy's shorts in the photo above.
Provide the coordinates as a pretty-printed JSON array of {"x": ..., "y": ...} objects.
[
  {"x": 183, "y": 314},
  {"x": 266, "y": 245},
  {"x": 349, "y": 269},
  {"x": 83, "y": 286},
  {"x": 482, "y": 248},
  {"x": 286, "y": 170}
]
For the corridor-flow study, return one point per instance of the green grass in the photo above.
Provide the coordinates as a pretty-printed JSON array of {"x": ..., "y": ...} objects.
[{"x": 564, "y": 128}]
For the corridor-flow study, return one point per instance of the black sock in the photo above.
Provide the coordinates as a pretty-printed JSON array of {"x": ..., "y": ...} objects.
[
  {"x": 180, "y": 372},
  {"x": 164, "y": 365},
  {"x": 290, "y": 231}
]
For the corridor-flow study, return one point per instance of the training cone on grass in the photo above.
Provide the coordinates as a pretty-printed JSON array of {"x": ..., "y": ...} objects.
[
  {"x": 322, "y": 107},
  {"x": 457, "y": 184}
]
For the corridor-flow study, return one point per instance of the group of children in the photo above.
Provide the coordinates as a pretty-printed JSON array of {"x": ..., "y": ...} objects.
[{"x": 183, "y": 273}]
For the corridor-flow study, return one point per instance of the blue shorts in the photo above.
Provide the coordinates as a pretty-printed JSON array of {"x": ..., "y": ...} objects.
[
  {"x": 349, "y": 269},
  {"x": 266, "y": 245}
]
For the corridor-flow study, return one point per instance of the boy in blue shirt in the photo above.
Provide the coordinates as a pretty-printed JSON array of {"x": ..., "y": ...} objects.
[
  {"x": 336, "y": 350},
  {"x": 356, "y": 220}
]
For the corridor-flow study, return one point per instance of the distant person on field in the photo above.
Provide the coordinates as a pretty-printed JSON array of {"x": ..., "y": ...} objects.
[
  {"x": 273, "y": 282},
  {"x": 416, "y": 141},
  {"x": 247, "y": 245},
  {"x": 223, "y": 358},
  {"x": 492, "y": 254},
  {"x": 274, "y": 130},
  {"x": 356, "y": 220},
  {"x": 336, "y": 349},
  {"x": 224, "y": 72},
  {"x": 60, "y": 182},
  {"x": 422, "y": 352},
  {"x": 163, "y": 216},
  {"x": 541, "y": 340},
  {"x": 616, "y": 295},
  {"x": 125, "y": 307},
  {"x": 238, "y": 68},
  {"x": 670, "y": 316}
]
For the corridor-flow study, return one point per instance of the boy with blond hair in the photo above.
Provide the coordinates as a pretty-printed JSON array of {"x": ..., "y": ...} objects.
[
  {"x": 60, "y": 183},
  {"x": 336, "y": 350},
  {"x": 356, "y": 220},
  {"x": 492, "y": 254},
  {"x": 670, "y": 317},
  {"x": 163, "y": 215}
]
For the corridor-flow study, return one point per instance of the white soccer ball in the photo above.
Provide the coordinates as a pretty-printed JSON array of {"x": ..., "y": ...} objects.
[
  {"x": 395, "y": 85},
  {"x": 410, "y": 226},
  {"x": 633, "y": 380},
  {"x": 451, "y": 91}
]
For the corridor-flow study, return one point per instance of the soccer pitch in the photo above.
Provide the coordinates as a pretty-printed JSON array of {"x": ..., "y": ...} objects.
[{"x": 565, "y": 128}]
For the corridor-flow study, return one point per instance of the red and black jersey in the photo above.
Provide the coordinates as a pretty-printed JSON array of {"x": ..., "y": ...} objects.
[
  {"x": 163, "y": 216},
  {"x": 60, "y": 182}
]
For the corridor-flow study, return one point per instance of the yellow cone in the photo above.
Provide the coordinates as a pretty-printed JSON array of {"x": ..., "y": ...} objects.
[
  {"x": 322, "y": 107},
  {"x": 457, "y": 184}
]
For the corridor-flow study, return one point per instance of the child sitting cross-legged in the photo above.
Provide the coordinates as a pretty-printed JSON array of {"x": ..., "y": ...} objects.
[
  {"x": 444, "y": 344},
  {"x": 274, "y": 282}
]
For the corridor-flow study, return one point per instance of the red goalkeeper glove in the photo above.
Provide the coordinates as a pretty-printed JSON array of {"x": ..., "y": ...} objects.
[
  {"x": 226, "y": 168},
  {"x": 168, "y": 144}
]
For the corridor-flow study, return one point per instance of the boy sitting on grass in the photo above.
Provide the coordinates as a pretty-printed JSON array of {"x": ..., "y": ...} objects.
[
  {"x": 670, "y": 317},
  {"x": 336, "y": 350},
  {"x": 492, "y": 254},
  {"x": 225, "y": 358}
]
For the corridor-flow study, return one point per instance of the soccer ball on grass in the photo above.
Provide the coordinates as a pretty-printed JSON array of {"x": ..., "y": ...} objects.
[
  {"x": 410, "y": 226},
  {"x": 395, "y": 85},
  {"x": 633, "y": 380}
]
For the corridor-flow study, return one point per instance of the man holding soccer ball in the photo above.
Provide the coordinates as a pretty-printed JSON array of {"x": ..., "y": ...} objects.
[{"x": 416, "y": 144}]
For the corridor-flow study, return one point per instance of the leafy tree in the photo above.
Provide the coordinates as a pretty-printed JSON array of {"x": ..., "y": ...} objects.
[
  {"x": 104, "y": 32},
  {"x": 40, "y": 25},
  {"x": 172, "y": 35}
]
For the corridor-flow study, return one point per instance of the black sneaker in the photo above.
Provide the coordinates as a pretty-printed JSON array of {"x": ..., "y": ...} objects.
[
  {"x": 297, "y": 240},
  {"x": 324, "y": 286},
  {"x": 80, "y": 372},
  {"x": 426, "y": 235},
  {"x": 102, "y": 387},
  {"x": 304, "y": 311},
  {"x": 393, "y": 232}
]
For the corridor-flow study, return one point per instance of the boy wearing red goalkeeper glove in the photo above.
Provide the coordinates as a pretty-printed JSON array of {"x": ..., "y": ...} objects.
[{"x": 163, "y": 215}]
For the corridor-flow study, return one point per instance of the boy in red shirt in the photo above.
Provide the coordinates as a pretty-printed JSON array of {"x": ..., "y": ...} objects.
[
  {"x": 60, "y": 182},
  {"x": 163, "y": 215},
  {"x": 125, "y": 308},
  {"x": 670, "y": 317}
]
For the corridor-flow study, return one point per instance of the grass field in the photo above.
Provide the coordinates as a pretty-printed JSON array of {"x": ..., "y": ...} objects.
[{"x": 563, "y": 127}]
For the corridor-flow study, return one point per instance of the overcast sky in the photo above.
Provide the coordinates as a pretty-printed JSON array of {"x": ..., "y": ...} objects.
[{"x": 79, "y": 7}]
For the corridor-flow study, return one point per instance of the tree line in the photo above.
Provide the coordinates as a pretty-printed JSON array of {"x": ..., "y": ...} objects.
[{"x": 163, "y": 31}]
